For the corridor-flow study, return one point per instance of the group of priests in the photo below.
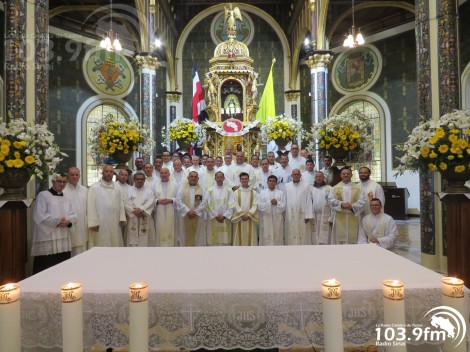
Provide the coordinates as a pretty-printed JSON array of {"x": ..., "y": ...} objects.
[{"x": 224, "y": 200}]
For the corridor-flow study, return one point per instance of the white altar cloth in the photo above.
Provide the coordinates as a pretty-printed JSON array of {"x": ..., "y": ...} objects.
[{"x": 225, "y": 297}]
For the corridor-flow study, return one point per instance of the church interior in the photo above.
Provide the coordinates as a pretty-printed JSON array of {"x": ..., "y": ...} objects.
[{"x": 413, "y": 66}]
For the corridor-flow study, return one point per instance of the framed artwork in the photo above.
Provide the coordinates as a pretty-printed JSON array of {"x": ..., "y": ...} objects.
[
  {"x": 108, "y": 73},
  {"x": 245, "y": 29},
  {"x": 357, "y": 69}
]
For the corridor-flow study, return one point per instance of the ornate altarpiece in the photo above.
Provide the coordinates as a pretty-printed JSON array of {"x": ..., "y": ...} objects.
[{"x": 231, "y": 90}]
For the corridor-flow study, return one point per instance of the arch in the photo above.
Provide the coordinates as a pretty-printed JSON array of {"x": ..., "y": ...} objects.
[
  {"x": 465, "y": 84},
  {"x": 385, "y": 125},
  {"x": 365, "y": 5},
  {"x": 220, "y": 7},
  {"x": 81, "y": 121}
]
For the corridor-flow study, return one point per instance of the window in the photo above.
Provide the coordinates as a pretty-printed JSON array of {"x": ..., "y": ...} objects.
[
  {"x": 370, "y": 110},
  {"x": 93, "y": 172}
]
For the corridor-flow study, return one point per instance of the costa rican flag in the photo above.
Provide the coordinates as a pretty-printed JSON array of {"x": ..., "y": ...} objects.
[{"x": 198, "y": 102}]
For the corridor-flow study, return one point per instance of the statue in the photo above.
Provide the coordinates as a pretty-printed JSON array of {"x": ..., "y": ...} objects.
[
  {"x": 212, "y": 82},
  {"x": 231, "y": 17},
  {"x": 253, "y": 85}
]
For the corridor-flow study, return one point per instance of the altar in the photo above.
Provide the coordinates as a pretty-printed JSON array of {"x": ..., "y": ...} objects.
[{"x": 225, "y": 297}]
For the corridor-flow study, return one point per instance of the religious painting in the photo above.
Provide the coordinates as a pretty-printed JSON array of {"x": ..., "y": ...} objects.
[
  {"x": 232, "y": 100},
  {"x": 245, "y": 29},
  {"x": 357, "y": 69},
  {"x": 108, "y": 73}
]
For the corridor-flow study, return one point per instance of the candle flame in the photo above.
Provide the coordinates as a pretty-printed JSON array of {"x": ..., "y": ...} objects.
[
  {"x": 395, "y": 283},
  {"x": 9, "y": 287},
  {"x": 332, "y": 281},
  {"x": 454, "y": 280}
]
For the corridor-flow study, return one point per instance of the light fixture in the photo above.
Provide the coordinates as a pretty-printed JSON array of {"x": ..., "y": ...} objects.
[
  {"x": 111, "y": 41},
  {"x": 354, "y": 38},
  {"x": 157, "y": 42}
]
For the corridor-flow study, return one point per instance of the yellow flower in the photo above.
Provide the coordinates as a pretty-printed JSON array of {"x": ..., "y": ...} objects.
[
  {"x": 425, "y": 152},
  {"x": 432, "y": 167},
  {"x": 29, "y": 159},
  {"x": 459, "y": 168},
  {"x": 19, "y": 145},
  {"x": 451, "y": 157},
  {"x": 462, "y": 143},
  {"x": 6, "y": 142},
  {"x": 432, "y": 155},
  {"x": 440, "y": 133},
  {"x": 433, "y": 140},
  {"x": 444, "y": 148},
  {"x": 10, "y": 163},
  {"x": 467, "y": 131},
  {"x": 453, "y": 138},
  {"x": 17, "y": 155},
  {"x": 455, "y": 130},
  {"x": 4, "y": 149},
  {"x": 19, "y": 163},
  {"x": 443, "y": 166}
]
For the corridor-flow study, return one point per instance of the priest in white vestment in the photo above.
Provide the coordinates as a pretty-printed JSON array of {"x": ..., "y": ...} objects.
[
  {"x": 167, "y": 162},
  {"x": 321, "y": 210},
  {"x": 53, "y": 216},
  {"x": 150, "y": 176},
  {"x": 298, "y": 211},
  {"x": 220, "y": 208},
  {"x": 377, "y": 227},
  {"x": 262, "y": 176},
  {"x": 140, "y": 231},
  {"x": 296, "y": 161},
  {"x": 271, "y": 205},
  {"x": 124, "y": 187},
  {"x": 347, "y": 203},
  {"x": 207, "y": 175},
  {"x": 165, "y": 201},
  {"x": 77, "y": 194},
  {"x": 178, "y": 176},
  {"x": 308, "y": 176},
  {"x": 283, "y": 173},
  {"x": 273, "y": 164},
  {"x": 241, "y": 167},
  {"x": 106, "y": 212},
  {"x": 371, "y": 189},
  {"x": 227, "y": 170},
  {"x": 245, "y": 219},
  {"x": 191, "y": 201}
]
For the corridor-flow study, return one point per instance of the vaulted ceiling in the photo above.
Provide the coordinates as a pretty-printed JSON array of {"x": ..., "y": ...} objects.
[{"x": 92, "y": 17}]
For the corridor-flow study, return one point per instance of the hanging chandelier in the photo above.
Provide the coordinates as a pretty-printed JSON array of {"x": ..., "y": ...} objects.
[
  {"x": 111, "y": 41},
  {"x": 355, "y": 37}
]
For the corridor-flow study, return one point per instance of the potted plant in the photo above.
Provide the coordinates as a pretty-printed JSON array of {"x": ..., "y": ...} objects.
[
  {"x": 119, "y": 140},
  {"x": 280, "y": 129},
  {"x": 440, "y": 145},
  {"x": 25, "y": 150}
]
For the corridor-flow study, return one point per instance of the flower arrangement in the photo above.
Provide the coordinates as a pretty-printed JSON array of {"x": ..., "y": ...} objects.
[
  {"x": 280, "y": 127},
  {"x": 110, "y": 136},
  {"x": 185, "y": 130},
  {"x": 438, "y": 145},
  {"x": 348, "y": 132},
  {"x": 27, "y": 146}
]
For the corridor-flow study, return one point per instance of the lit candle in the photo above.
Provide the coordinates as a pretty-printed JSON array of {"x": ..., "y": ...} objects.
[
  {"x": 453, "y": 295},
  {"x": 72, "y": 317},
  {"x": 10, "y": 322},
  {"x": 332, "y": 316},
  {"x": 138, "y": 317},
  {"x": 394, "y": 308}
]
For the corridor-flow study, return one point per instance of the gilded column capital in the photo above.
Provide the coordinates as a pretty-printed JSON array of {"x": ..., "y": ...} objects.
[
  {"x": 146, "y": 61},
  {"x": 319, "y": 60},
  {"x": 292, "y": 95},
  {"x": 173, "y": 97}
]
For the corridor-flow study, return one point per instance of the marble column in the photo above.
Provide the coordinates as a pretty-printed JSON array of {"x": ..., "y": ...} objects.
[
  {"x": 147, "y": 65},
  {"x": 438, "y": 93},
  {"x": 293, "y": 106},
  {"x": 173, "y": 100},
  {"x": 318, "y": 64}
]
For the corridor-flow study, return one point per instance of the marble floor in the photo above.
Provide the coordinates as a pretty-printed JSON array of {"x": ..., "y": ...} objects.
[{"x": 408, "y": 244}]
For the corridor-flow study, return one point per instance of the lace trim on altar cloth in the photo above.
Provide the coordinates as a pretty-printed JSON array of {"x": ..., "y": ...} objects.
[{"x": 228, "y": 321}]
